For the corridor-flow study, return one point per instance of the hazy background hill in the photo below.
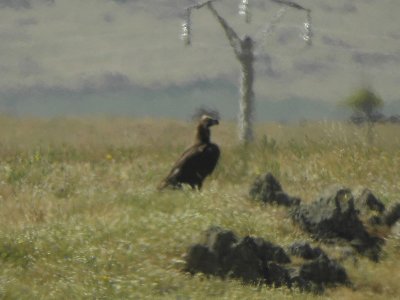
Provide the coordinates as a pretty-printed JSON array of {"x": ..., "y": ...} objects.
[{"x": 124, "y": 57}]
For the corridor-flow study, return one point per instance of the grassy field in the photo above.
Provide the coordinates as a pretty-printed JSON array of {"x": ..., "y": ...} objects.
[{"x": 80, "y": 216}]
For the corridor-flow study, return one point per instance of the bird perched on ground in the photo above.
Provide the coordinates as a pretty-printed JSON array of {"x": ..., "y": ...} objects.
[{"x": 196, "y": 162}]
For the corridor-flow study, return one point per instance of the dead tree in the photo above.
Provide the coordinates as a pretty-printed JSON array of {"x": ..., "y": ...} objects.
[
  {"x": 244, "y": 52},
  {"x": 243, "y": 49}
]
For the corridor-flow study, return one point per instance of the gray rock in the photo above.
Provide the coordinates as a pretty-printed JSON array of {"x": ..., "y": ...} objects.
[
  {"x": 324, "y": 271},
  {"x": 220, "y": 241},
  {"x": 393, "y": 215},
  {"x": 299, "y": 282},
  {"x": 304, "y": 250},
  {"x": 256, "y": 261},
  {"x": 277, "y": 275},
  {"x": 270, "y": 252},
  {"x": 243, "y": 262},
  {"x": 368, "y": 201},
  {"x": 201, "y": 260},
  {"x": 335, "y": 216},
  {"x": 266, "y": 188}
]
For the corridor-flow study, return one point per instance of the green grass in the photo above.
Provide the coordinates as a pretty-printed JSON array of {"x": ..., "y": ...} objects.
[{"x": 81, "y": 218}]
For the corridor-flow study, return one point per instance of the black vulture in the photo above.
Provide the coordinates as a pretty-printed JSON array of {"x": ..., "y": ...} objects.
[{"x": 196, "y": 162}]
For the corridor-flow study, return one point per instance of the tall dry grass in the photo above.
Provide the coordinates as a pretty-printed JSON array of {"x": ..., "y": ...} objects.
[{"x": 81, "y": 218}]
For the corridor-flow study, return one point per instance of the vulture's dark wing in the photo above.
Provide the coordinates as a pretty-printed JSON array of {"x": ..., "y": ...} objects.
[{"x": 193, "y": 166}]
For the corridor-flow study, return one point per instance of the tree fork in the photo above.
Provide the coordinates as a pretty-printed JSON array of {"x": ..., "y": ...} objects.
[{"x": 244, "y": 52}]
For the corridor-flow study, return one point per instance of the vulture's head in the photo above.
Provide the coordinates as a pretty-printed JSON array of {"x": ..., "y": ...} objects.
[
  {"x": 203, "y": 128},
  {"x": 207, "y": 121}
]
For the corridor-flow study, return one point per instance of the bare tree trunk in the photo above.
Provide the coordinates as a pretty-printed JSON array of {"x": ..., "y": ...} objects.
[
  {"x": 246, "y": 104},
  {"x": 243, "y": 50}
]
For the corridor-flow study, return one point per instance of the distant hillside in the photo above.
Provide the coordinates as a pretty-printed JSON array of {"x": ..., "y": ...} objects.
[
  {"x": 124, "y": 57},
  {"x": 170, "y": 102}
]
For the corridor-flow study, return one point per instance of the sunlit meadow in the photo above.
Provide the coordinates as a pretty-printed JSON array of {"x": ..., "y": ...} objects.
[{"x": 80, "y": 216}]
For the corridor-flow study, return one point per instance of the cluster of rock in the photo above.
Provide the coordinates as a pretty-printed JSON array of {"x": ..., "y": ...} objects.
[
  {"x": 334, "y": 217},
  {"x": 337, "y": 217},
  {"x": 256, "y": 261},
  {"x": 266, "y": 188}
]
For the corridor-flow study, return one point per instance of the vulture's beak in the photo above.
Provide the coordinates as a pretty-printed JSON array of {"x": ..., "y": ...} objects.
[{"x": 214, "y": 122}]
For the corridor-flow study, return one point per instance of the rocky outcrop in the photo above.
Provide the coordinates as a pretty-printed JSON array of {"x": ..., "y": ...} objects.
[
  {"x": 304, "y": 250},
  {"x": 266, "y": 188},
  {"x": 337, "y": 217},
  {"x": 256, "y": 261},
  {"x": 334, "y": 216},
  {"x": 392, "y": 216}
]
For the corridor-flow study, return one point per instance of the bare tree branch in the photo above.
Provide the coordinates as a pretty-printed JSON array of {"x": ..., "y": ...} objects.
[
  {"x": 233, "y": 38},
  {"x": 291, "y": 4}
]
